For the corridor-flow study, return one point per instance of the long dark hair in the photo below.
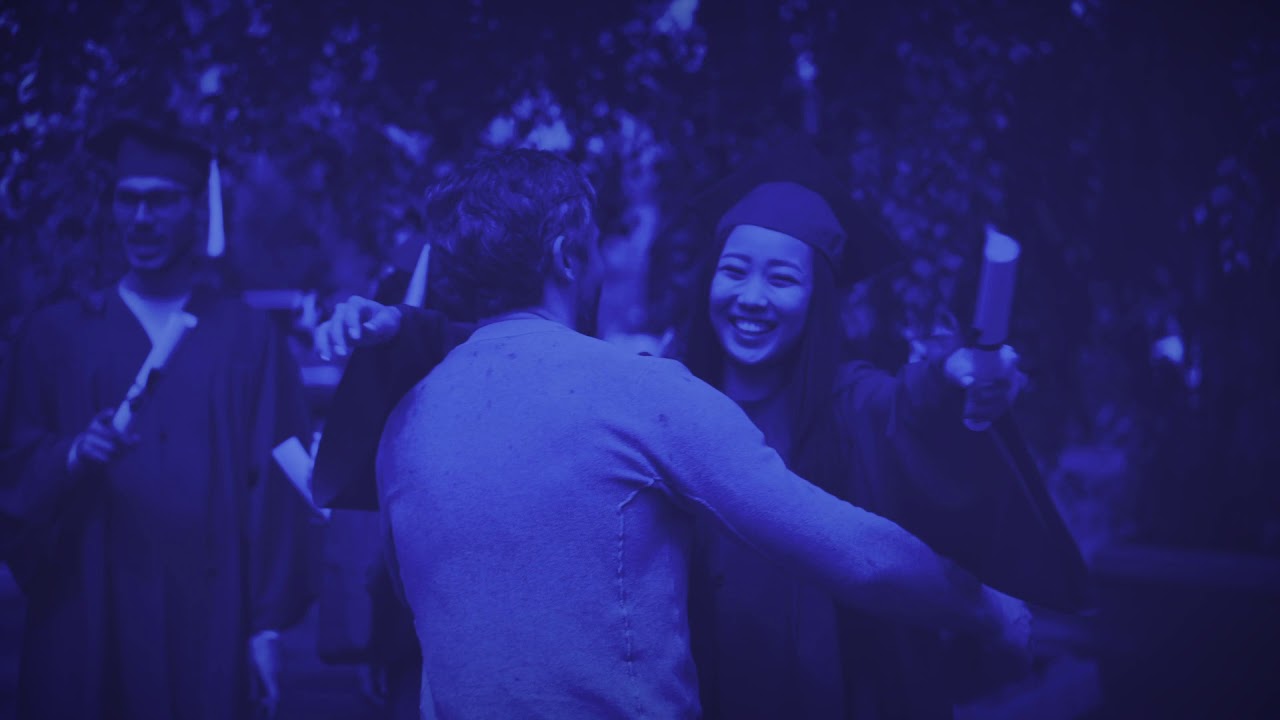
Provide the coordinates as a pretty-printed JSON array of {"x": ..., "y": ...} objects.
[{"x": 816, "y": 449}]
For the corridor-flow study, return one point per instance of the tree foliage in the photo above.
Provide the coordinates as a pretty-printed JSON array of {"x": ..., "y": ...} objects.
[{"x": 1131, "y": 147}]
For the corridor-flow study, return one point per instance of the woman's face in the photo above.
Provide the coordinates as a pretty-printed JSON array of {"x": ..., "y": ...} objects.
[{"x": 760, "y": 294}]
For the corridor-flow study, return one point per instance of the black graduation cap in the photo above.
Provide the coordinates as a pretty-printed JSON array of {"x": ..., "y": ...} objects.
[
  {"x": 791, "y": 188},
  {"x": 138, "y": 147}
]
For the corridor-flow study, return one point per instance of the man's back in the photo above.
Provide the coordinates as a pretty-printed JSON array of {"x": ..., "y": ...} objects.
[
  {"x": 548, "y": 570},
  {"x": 537, "y": 484}
]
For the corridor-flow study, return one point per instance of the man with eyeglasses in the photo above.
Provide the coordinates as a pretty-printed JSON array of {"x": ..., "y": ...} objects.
[{"x": 159, "y": 548}]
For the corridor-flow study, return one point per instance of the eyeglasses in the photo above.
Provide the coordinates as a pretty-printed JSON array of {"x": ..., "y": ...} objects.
[{"x": 160, "y": 201}]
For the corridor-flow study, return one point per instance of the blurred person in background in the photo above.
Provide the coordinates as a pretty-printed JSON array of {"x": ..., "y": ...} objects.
[{"x": 159, "y": 557}]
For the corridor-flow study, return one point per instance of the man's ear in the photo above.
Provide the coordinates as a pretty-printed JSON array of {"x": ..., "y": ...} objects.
[{"x": 563, "y": 264}]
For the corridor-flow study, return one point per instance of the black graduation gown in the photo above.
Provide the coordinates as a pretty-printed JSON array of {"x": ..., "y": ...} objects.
[
  {"x": 974, "y": 497},
  {"x": 344, "y": 479},
  {"x": 373, "y": 382},
  {"x": 145, "y": 581},
  {"x": 977, "y": 498}
]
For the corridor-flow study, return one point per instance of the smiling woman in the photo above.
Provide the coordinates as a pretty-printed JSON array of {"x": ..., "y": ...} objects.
[
  {"x": 764, "y": 328},
  {"x": 760, "y": 295}
]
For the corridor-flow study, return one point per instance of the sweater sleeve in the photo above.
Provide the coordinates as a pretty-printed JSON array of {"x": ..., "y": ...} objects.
[
  {"x": 711, "y": 455},
  {"x": 976, "y": 497}
]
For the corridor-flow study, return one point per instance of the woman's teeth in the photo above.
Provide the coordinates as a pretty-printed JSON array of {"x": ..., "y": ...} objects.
[{"x": 752, "y": 326}]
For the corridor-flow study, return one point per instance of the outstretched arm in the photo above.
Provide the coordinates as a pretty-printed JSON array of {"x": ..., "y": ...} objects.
[
  {"x": 716, "y": 459},
  {"x": 978, "y": 497}
]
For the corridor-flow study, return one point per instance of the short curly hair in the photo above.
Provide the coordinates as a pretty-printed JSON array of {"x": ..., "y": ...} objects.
[{"x": 496, "y": 220}]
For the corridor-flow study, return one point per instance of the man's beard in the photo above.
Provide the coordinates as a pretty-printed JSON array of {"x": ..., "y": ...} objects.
[{"x": 175, "y": 251}]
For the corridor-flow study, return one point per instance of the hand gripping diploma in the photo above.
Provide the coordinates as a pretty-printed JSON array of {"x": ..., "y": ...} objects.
[
  {"x": 108, "y": 432},
  {"x": 988, "y": 370}
]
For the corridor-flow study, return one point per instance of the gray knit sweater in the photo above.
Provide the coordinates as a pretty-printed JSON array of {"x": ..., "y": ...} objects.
[{"x": 540, "y": 486}]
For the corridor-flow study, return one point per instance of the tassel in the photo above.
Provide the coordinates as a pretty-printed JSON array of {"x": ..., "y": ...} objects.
[
  {"x": 217, "y": 237},
  {"x": 416, "y": 295}
]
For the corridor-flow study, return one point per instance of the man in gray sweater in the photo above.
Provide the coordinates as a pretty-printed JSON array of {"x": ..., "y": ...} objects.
[{"x": 540, "y": 486}]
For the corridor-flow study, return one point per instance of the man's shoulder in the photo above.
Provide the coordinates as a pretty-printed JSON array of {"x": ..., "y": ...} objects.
[
  {"x": 62, "y": 318},
  {"x": 665, "y": 382},
  {"x": 65, "y": 310},
  {"x": 659, "y": 369},
  {"x": 641, "y": 366}
]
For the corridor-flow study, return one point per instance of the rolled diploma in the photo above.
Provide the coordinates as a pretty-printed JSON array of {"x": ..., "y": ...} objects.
[
  {"x": 994, "y": 305},
  {"x": 297, "y": 463},
  {"x": 164, "y": 345}
]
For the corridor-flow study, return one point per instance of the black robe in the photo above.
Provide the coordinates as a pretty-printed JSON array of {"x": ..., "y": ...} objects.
[
  {"x": 361, "y": 598},
  {"x": 767, "y": 642},
  {"x": 145, "y": 581},
  {"x": 373, "y": 382}
]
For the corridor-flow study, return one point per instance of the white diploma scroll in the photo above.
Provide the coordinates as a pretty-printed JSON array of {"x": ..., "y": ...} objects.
[
  {"x": 163, "y": 346},
  {"x": 297, "y": 463},
  {"x": 994, "y": 305}
]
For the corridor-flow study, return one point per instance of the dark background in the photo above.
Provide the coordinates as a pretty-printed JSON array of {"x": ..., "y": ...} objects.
[{"x": 1132, "y": 147}]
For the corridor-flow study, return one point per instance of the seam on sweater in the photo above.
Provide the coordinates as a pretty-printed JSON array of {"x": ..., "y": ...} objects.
[
  {"x": 726, "y": 525},
  {"x": 627, "y": 635}
]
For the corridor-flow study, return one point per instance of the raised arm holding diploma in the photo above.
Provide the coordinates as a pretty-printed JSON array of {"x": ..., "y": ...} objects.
[{"x": 991, "y": 313}]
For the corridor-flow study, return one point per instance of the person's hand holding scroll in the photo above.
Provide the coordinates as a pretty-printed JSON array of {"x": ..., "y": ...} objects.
[
  {"x": 989, "y": 392},
  {"x": 97, "y": 445}
]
